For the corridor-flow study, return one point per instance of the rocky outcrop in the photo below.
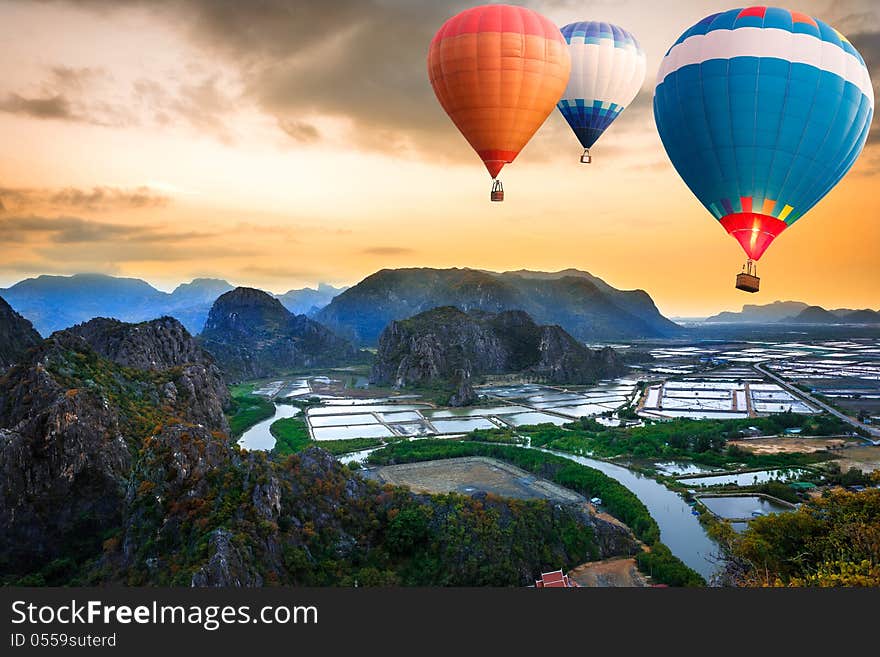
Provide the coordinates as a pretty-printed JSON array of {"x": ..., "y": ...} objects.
[
  {"x": 252, "y": 335},
  {"x": 446, "y": 344},
  {"x": 156, "y": 345},
  {"x": 71, "y": 422},
  {"x": 63, "y": 463},
  {"x": 17, "y": 335},
  {"x": 227, "y": 566},
  {"x": 160, "y": 345}
]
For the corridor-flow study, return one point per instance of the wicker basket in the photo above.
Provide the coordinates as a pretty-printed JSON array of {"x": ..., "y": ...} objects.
[{"x": 747, "y": 282}]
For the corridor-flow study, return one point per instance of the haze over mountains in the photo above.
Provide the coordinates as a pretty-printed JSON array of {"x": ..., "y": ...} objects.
[
  {"x": 795, "y": 312},
  {"x": 53, "y": 303},
  {"x": 579, "y": 302}
]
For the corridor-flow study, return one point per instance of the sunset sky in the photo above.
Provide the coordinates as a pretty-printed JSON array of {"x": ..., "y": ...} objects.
[{"x": 283, "y": 143}]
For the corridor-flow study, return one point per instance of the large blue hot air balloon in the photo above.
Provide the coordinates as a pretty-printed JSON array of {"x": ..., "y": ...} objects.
[{"x": 762, "y": 111}]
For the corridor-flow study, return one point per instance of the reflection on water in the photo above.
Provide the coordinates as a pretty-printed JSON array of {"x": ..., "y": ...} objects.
[
  {"x": 259, "y": 436},
  {"x": 744, "y": 506}
]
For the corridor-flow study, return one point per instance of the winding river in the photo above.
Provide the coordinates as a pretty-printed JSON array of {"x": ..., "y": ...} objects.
[
  {"x": 680, "y": 530},
  {"x": 259, "y": 436}
]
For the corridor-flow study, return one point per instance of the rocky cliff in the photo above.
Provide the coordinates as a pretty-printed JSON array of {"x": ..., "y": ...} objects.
[
  {"x": 252, "y": 335},
  {"x": 160, "y": 345},
  {"x": 71, "y": 422},
  {"x": 17, "y": 335},
  {"x": 447, "y": 344}
]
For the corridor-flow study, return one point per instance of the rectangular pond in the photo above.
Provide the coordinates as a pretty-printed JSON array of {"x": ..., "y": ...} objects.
[
  {"x": 739, "y": 507},
  {"x": 342, "y": 420},
  {"x": 462, "y": 425},
  {"x": 523, "y": 419},
  {"x": 344, "y": 433}
]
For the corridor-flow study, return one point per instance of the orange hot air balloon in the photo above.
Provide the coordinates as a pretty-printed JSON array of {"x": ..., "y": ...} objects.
[{"x": 498, "y": 71}]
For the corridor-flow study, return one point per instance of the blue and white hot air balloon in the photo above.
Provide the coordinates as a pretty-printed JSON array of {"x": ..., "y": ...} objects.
[
  {"x": 607, "y": 71},
  {"x": 762, "y": 111}
]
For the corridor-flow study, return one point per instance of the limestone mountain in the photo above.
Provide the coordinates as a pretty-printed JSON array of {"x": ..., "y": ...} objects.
[
  {"x": 585, "y": 306},
  {"x": 252, "y": 335},
  {"x": 864, "y": 316},
  {"x": 813, "y": 315},
  {"x": 107, "y": 478},
  {"x": 447, "y": 344},
  {"x": 71, "y": 422},
  {"x": 161, "y": 345},
  {"x": 17, "y": 335}
]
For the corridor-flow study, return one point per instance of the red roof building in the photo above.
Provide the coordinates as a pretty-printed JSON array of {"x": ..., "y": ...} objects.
[{"x": 555, "y": 580}]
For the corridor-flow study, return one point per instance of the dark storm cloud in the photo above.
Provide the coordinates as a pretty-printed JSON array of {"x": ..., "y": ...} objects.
[{"x": 75, "y": 199}]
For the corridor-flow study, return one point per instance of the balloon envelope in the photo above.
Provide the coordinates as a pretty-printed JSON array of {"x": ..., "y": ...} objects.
[
  {"x": 607, "y": 71},
  {"x": 762, "y": 111},
  {"x": 498, "y": 71}
]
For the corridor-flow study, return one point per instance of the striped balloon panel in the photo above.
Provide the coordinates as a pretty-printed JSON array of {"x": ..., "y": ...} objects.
[
  {"x": 498, "y": 71},
  {"x": 607, "y": 71},
  {"x": 762, "y": 111}
]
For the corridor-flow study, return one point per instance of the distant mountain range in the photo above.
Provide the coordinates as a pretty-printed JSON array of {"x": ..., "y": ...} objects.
[
  {"x": 53, "y": 303},
  {"x": 582, "y": 304},
  {"x": 795, "y": 312},
  {"x": 307, "y": 300},
  {"x": 252, "y": 335}
]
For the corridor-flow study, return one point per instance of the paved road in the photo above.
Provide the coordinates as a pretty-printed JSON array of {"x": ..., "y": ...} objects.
[{"x": 810, "y": 398}]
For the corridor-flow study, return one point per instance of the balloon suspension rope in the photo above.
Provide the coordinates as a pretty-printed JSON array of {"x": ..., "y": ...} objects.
[{"x": 497, "y": 191}]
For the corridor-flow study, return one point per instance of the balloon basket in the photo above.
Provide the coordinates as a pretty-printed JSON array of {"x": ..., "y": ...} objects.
[
  {"x": 748, "y": 280},
  {"x": 497, "y": 191},
  {"x": 586, "y": 158}
]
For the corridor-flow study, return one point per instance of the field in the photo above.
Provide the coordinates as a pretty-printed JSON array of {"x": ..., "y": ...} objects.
[
  {"x": 866, "y": 459},
  {"x": 609, "y": 573},
  {"x": 791, "y": 445},
  {"x": 470, "y": 475}
]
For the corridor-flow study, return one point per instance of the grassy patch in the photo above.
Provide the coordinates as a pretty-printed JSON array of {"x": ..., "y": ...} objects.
[
  {"x": 247, "y": 409},
  {"x": 291, "y": 435}
]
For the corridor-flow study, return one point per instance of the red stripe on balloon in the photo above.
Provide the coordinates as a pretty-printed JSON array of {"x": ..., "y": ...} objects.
[
  {"x": 498, "y": 18},
  {"x": 753, "y": 231},
  {"x": 752, "y": 11}
]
